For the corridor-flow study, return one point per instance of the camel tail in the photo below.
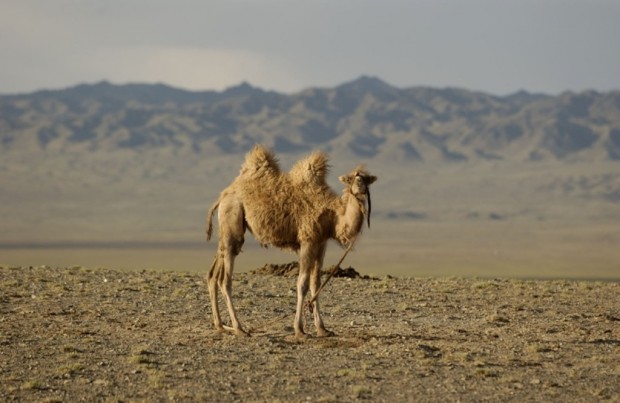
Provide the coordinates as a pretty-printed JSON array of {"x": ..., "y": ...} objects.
[{"x": 210, "y": 218}]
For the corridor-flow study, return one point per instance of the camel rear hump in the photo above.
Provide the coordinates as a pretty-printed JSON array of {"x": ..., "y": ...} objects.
[{"x": 311, "y": 170}]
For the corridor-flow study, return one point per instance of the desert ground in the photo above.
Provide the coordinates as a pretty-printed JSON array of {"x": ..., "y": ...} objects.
[{"x": 95, "y": 334}]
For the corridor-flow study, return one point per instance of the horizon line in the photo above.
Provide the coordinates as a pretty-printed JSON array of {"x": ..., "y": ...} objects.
[
  {"x": 103, "y": 245},
  {"x": 246, "y": 83}
]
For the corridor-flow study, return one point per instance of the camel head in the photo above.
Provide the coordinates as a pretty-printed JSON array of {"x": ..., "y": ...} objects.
[{"x": 358, "y": 184}]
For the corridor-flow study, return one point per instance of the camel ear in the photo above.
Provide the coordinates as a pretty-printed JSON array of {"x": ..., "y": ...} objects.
[
  {"x": 346, "y": 179},
  {"x": 371, "y": 179}
]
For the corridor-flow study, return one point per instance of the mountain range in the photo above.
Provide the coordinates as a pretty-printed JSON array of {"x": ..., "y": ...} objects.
[
  {"x": 365, "y": 118},
  {"x": 123, "y": 164}
]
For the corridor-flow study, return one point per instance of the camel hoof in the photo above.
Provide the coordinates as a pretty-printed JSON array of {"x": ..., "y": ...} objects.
[
  {"x": 325, "y": 333},
  {"x": 237, "y": 331},
  {"x": 301, "y": 336},
  {"x": 241, "y": 332}
]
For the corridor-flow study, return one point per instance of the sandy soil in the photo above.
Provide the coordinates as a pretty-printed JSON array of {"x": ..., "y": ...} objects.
[{"x": 70, "y": 334}]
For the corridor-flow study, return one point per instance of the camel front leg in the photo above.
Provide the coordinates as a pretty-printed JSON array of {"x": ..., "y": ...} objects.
[
  {"x": 315, "y": 284},
  {"x": 302, "y": 290},
  {"x": 305, "y": 264}
]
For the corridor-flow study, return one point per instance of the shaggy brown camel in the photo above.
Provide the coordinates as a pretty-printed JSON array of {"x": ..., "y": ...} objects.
[{"x": 296, "y": 211}]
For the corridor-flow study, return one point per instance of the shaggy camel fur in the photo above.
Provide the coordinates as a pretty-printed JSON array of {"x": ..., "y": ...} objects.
[{"x": 296, "y": 211}]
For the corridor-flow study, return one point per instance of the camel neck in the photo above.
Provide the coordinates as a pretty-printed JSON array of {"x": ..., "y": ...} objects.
[{"x": 350, "y": 218}]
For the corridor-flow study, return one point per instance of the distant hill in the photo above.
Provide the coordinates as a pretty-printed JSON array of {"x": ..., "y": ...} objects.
[{"x": 364, "y": 118}]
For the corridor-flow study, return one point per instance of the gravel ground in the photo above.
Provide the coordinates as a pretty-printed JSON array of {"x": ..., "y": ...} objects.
[{"x": 70, "y": 334}]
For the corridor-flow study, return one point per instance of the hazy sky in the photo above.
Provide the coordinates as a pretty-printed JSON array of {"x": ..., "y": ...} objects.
[{"x": 497, "y": 46}]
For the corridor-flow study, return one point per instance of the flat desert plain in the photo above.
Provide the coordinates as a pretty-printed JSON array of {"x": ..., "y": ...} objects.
[
  {"x": 69, "y": 334},
  {"x": 523, "y": 249}
]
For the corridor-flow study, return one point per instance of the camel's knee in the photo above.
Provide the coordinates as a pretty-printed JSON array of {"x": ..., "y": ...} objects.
[
  {"x": 315, "y": 280},
  {"x": 303, "y": 281}
]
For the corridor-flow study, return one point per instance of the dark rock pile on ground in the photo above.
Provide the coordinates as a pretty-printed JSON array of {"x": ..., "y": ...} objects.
[{"x": 292, "y": 269}]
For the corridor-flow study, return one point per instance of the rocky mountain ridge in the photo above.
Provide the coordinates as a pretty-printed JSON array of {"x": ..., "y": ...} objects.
[{"x": 365, "y": 118}]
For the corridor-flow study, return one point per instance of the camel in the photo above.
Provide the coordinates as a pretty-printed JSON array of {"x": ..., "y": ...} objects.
[{"x": 296, "y": 211}]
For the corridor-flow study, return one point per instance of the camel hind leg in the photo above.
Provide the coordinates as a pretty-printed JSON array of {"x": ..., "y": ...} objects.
[
  {"x": 220, "y": 276},
  {"x": 213, "y": 281},
  {"x": 225, "y": 283},
  {"x": 302, "y": 290},
  {"x": 231, "y": 239}
]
